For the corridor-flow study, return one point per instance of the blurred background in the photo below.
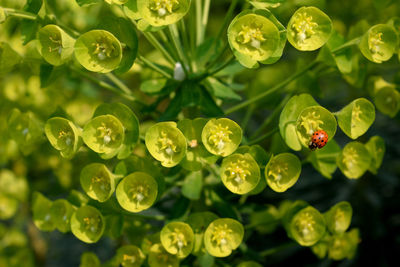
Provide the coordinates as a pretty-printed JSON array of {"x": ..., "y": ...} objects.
[{"x": 375, "y": 198}]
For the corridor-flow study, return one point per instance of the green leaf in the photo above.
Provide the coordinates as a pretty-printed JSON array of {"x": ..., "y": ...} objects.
[
  {"x": 266, "y": 220},
  {"x": 114, "y": 225},
  {"x": 87, "y": 2},
  {"x": 208, "y": 106},
  {"x": 28, "y": 30},
  {"x": 355, "y": 118},
  {"x": 153, "y": 86},
  {"x": 131, "y": 10},
  {"x": 49, "y": 74},
  {"x": 8, "y": 58},
  {"x": 193, "y": 185},
  {"x": 288, "y": 118},
  {"x": 33, "y": 6},
  {"x": 324, "y": 160},
  {"x": 221, "y": 90}
]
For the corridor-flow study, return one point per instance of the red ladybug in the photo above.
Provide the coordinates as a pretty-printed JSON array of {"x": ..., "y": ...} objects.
[{"x": 318, "y": 140}]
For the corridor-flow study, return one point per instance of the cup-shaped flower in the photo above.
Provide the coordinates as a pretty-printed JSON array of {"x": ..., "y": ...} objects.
[
  {"x": 282, "y": 171},
  {"x": 221, "y": 136},
  {"x": 162, "y": 12},
  {"x": 137, "y": 192},
  {"x": 312, "y": 119},
  {"x": 253, "y": 35},
  {"x": 98, "y": 51},
  {"x": 177, "y": 238},
  {"x": 307, "y": 226},
  {"x": 354, "y": 160},
  {"x": 103, "y": 134},
  {"x": 87, "y": 224},
  {"x": 387, "y": 101},
  {"x": 309, "y": 28},
  {"x": 55, "y": 45},
  {"x": 159, "y": 257},
  {"x": 8, "y": 206},
  {"x": 13, "y": 186},
  {"x": 89, "y": 259},
  {"x": 240, "y": 173},
  {"x": 379, "y": 43},
  {"x": 97, "y": 181},
  {"x": 166, "y": 143},
  {"x": 223, "y": 236},
  {"x": 340, "y": 246},
  {"x": 41, "y": 208},
  {"x": 376, "y": 148},
  {"x": 355, "y": 118},
  {"x": 130, "y": 256},
  {"x": 320, "y": 249},
  {"x": 63, "y": 135},
  {"x": 61, "y": 211},
  {"x": 338, "y": 217}
]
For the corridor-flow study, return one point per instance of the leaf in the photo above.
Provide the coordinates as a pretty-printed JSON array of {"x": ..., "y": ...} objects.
[
  {"x": 28, "y": 31},
  {"x": 221, "y": 90},
  {"x": 153, "y": 86},
  {"x": 174, "y": 107},
  {"x": 49, "y": 74},
  {"x": 324, "y": 160},
  {"x": 33, "y": 6},
  {"x": 8, "y": 58},
  {"x": 87, "y": 2},
  {"x": 208, "y": 105},
  {"x": 193, "y": 185}
]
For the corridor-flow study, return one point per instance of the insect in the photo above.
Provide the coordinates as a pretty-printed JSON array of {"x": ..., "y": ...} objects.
[{"x": 318, "y": 140}]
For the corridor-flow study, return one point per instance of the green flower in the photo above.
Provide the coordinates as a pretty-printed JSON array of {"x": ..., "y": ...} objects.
[
  {"x": 379, "y": 43},
  {"x": 130, "y": 256},
  {"x": 159, "y": 257},
  {"x": 42, "y": 216},
  {"x": 223, "y": 236},
  {"x": 137, "y": 192},
  {"x": 63, "y": 135},
  {"x": 61, "y": 211},
  {"x": 177, "y": 238},
  {"x": 89, "y": 259},
  {"x": 240, "y": 173},
  {"x": 103, "y": 134},
  {"x": 376, "y": 148},
  {"x": 221, "y": 136},
  {"x": 166, "y": 143},
  {"x": 98, "y": 51},
  {"x": 354, "y": 160},
  {"x": 307, "y": 226},
  {"x": 87, "y": 224},
  {"x": 282, "y": 171},
  {"x": 55, "y": 45},
  {"x": 8, "y": 206},
  {"x": 309, "y": 28},
  {"x": 97, "y": 181},
  {"x": 338, "y": 217},
  {"x": 162, "y": 12}
]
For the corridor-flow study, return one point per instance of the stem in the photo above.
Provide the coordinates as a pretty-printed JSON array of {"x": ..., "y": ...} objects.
[
  {"x": 227, "y": 19},
  {"x": 272, "y": 90},
  {"x": 178, "y": 46},
  {"x": 118, "y": 83},
  {"x": 154, "y": 67},
  {"x": 199, "y": 24},
  {"x": 223, "y": 66},
  {"x": 352, "y": 42},
  {"x": 204, "y": 21},
  {"x": 20, "y": 14},
  {"x": 263, "y": 137},
  {"x": 277, "y": 249}
]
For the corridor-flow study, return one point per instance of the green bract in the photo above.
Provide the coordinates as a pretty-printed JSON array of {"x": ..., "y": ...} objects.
[
  {"x": 288, "y": 118},
  {"x": 41, "y": 208},
  {"x": 55, "y": 45},
  {"x": 97, "y": 181},
  {"x": 387, "y": 101},
  {"x": 282, "y": 171},
  {"x": 196, "y": 155},
  {"x": 355, "y": 118},
  {"x": 98, "y": 51},
  {"x": 61, "y": 211},
  {"x": 324, "y": 160},
  {"x": 159, "y": 257},
  {"x": 354, "y": 160},
  {"x": 137, "y": 192},
  {"x": 166, "y": 143},
  {"x": 130, "y": 256},
  {"x": 223, "y": 236},
  {"x": 63, "y": 135},
  {"x": 252, "y": 36},
  {"x": 89, "y": 259},
  {"x": 240, "y": 173},
  {"x": 376, "y": 148},
  {"x": 162, "y": 12},
  {"x": 177, "y": 238},
  {"x": 379, "y": 43},
  {"x": 312, "y": 119},
  {"x": 338, "y": 217},
  {"x": 309, "y": 28},
  {"x": 221, "y": 136},
  {"x": 103, "y": 134},
  {"x": 87, "y": 224},
  {"x": 307, "y": 226}
]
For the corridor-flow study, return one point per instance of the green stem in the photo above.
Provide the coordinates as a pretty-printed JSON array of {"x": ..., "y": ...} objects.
[
  {"x": 222, "y": 66},
  {"x": 154, "y": 67},
  {"x": 20, "y": 14},
  {"x": 118, "y": 83},
  {"x": 272, "y": 90},
  {"x": 274, "y": 250},
  {"x": 178, "y": 46},
  {"x": 199, "y": 24},
  {"x": 263, "y": 137},
  {"x": 227, "y": 19},
  {"x": 352, "y": 42},
  {"x": 204, "y": 20}
]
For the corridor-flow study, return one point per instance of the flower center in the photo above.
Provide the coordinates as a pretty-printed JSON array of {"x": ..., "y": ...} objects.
[
  {"x": 138, "y": 193},
  {"x": 100, "y": 182},
  {"x": 251, "y": 35},
  {"x": 129, "y": 258},
  {"x": 221, "y": 235},
  {"x": 163, "y": 7},
  {"x": 104, "y": 48},
  {"x": 305, "y": 224},
  {"x": 311, "y": 122},
  {"x": 91, "y": 224},
  {"x": 65, "y": 136},
  {"x": 57, "y": 44},
  {"x": 350, "y": 158},
  {"x": 219, "y": 136},
  {"x": 303, "y": 27},
  {"x": 166, "y": 144},
  {"x": 375, "y": 42},
  {"x": 105, "y": 134},
  {"x": 277, "y": 170},
  {"x": 238, "y": 171},
  {"x": 178, "y": 239}
]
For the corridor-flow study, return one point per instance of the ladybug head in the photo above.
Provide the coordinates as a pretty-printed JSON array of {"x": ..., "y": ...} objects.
[{"x": 312, "y": 146}]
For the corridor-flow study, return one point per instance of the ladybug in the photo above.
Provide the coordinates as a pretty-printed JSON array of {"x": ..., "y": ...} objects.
[{"x": 318, "y": 140}]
